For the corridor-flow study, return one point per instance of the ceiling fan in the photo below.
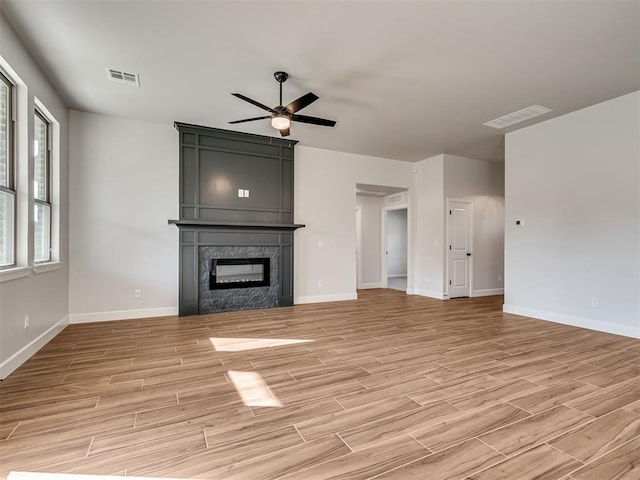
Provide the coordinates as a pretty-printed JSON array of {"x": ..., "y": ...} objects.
[{"x": 282, "y": 116}]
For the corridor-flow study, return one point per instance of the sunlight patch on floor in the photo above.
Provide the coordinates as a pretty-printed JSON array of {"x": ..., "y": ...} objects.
[
  {"x": 253, "y": 390},
  {"x": 231, "y": 344}
]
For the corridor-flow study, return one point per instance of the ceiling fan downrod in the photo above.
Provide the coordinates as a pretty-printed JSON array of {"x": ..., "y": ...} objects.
[{"x": 281, "y": 77}]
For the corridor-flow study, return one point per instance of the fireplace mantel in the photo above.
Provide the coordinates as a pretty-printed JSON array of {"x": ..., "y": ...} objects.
[{"x": 191, "y": 224}]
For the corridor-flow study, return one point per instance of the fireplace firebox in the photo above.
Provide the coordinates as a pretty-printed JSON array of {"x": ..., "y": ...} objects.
[{"x": 239, "y": 273}]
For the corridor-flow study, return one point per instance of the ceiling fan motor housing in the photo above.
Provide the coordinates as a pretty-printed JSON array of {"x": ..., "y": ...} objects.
[{"x": 281, "y": 76}]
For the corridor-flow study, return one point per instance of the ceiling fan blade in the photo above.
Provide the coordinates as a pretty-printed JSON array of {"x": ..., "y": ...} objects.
[
  {"x": 302, "y": 102},
  {"x": 252, "y": 101},
  {"x": 251, "y": 119},
  {"x": 313, "y": 120},
  {"x": 284, "y": 132}
]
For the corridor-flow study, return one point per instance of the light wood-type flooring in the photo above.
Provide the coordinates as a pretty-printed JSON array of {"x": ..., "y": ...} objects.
[{"x": 389, "y": 386}]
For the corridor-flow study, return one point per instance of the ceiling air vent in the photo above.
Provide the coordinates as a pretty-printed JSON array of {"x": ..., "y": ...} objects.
[
  {"x": 517, "y": 117},
  {"x": 123, "y": 77}
]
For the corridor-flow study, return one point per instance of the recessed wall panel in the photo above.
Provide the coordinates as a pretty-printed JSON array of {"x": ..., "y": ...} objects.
[
  {"x": 189, "y": 175},
  {"x": 224, "y": 174}
]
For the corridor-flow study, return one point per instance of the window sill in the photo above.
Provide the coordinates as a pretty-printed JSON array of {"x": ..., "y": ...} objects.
[
  {"x": 46, "y": 267},
  {"x": 14, "y": 273}
]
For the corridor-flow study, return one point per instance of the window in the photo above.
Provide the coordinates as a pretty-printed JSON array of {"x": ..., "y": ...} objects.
[
  {"x": 7, "y": 175},
  {"x": 29, "y": 222},
  {"x": 42, "y": 188}
]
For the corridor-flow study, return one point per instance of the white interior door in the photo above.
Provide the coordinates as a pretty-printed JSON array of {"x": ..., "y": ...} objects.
[{"x": 459, "y": 253}]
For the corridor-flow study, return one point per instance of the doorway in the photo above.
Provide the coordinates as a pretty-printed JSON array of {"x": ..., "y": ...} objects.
[
  {"x": 372, "y": 203},
  {"x": 459, "y": 253},
  {"x": 395, "y": 241},
  {"x": 358, "y": 247}
]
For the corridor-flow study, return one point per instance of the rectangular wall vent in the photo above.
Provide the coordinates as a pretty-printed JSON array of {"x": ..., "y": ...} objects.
[
  {"x": 393, "y": 199},
  {"x": 123, "y": 77},
  {"x": 517, "y": 117}
]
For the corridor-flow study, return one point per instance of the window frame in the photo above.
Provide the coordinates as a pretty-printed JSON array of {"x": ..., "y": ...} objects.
[
  {"x": 47, "y": 202},
  {"x": 11, "y": 187}
]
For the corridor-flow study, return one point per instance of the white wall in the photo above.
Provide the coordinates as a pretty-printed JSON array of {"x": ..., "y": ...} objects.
[
  {"x": 427, "y": 223},
  {"x": 575, "y": 182},
  {"x": 123, "y": 189},
  {"x": 397, "y": 242},
  {"x": 325, "y": 202},
  {"x": 482, "y": 183},
  {"x": 42, "y": 296},
  {"x": 371, "y": 252}
]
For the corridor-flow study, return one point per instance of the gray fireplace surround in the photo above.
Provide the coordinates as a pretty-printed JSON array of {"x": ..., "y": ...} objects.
[{"x": 236, "y": 201}]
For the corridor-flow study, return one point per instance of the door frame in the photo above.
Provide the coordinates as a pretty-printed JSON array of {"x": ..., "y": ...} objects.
[
  {"x": 383, "y": 259},
  {"x": 470, "y": 218}
]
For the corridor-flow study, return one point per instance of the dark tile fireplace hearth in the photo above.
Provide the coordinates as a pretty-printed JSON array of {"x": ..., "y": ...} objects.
[
  {"x": 239, "y": 296},
  {"x": 236, "y": 204}
]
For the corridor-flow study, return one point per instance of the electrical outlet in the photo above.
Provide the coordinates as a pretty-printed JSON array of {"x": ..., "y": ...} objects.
[
  {"x": 499, "y": 278},
  {"x": 320, "y": 283},
  {"x": 137, "y": 293},
  {"x": 595, "y": 302},
  {"x": 26, "y": 321}
]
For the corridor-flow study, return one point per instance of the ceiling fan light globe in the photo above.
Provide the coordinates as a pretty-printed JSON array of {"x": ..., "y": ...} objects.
[{"x": 280, "y": 122}]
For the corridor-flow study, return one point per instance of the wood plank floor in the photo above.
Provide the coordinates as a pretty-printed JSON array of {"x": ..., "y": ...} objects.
[{"x": 388, "y": 386}]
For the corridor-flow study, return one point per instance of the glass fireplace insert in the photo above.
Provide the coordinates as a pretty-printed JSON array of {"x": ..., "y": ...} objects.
[{"x": 239, "y": 273}]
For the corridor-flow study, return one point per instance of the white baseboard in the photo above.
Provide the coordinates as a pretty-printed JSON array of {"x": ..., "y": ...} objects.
[
  {"x": 365, "y": 286},
  {"x": 625, "y": 330},
  {"x": 325, "y": 298},
  {"x": 123, "y": 315},
  {"x": 26, "y": 352},
  {"x": 487, "y": 292},
  {"x": 426, "y": 293}
]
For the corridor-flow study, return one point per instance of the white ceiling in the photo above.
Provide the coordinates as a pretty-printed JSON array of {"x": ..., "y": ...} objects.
[{"x": 404, "y": 79}]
